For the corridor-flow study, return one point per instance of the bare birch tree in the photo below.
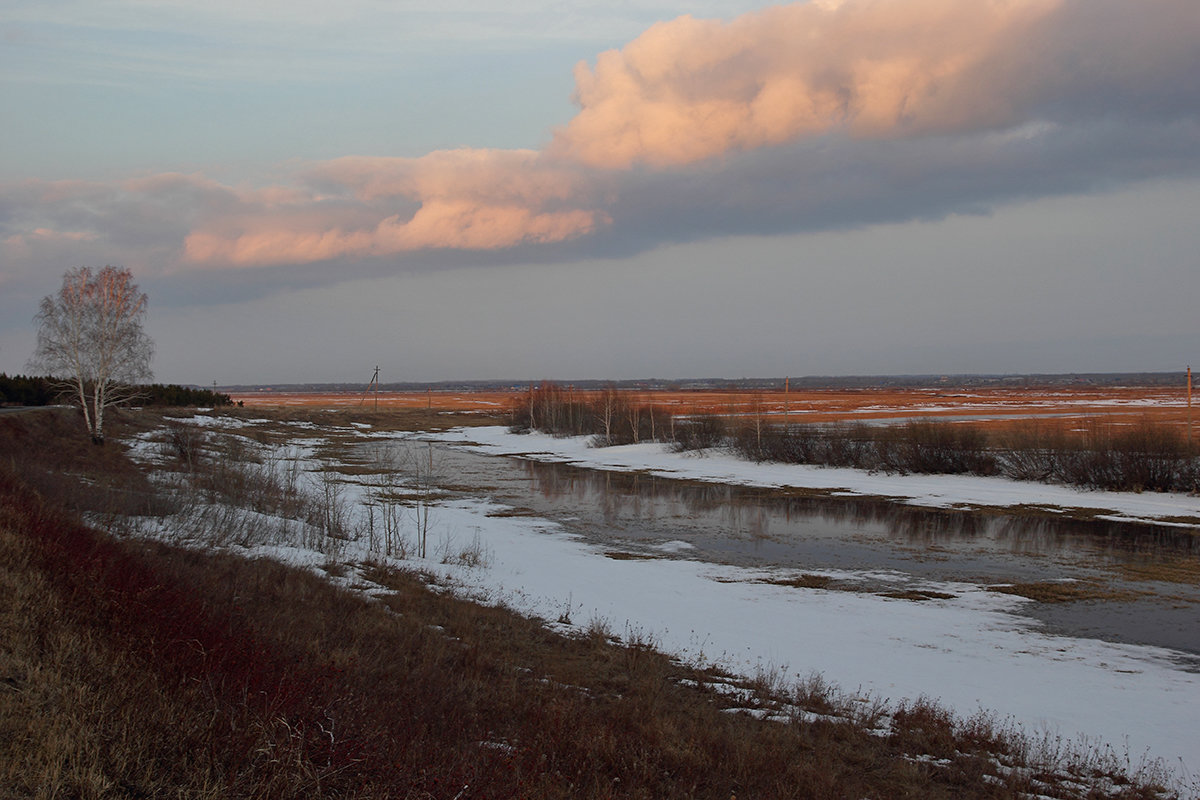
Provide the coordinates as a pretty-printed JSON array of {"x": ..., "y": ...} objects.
[
  {"x": 90, "y": 337},
  {"x": 608, "y": 409}
]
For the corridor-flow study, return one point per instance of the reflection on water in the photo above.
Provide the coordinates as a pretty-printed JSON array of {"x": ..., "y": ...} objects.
[{"x": 632, "y": 501}]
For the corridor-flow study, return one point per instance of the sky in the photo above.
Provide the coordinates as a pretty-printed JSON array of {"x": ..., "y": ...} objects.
[{"x": 461, "y": 190}]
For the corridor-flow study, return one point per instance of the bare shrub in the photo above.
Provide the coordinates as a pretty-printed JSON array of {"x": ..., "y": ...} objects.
[
  {"x": 611, "y": 416},
  {"x": 1154, "y": 458},
  {"x": 701, "y": 432},
  {"x": 333, "y": 510},
  {"x": 422, "y": 482},
  {"x": 1145, "y": 457},
  {"x": 944, "y": 447},
  {"x": 186, "y": 442},
  {"x": 1031, "y": 451},
  {"x": 474, "y": 555},
  {"x": 385, "y": 509}
]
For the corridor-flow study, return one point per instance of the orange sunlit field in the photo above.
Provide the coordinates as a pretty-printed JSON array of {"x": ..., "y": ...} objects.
[{"x": 990, "y": 406}]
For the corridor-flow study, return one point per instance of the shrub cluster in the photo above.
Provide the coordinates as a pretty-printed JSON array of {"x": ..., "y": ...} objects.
[
  {"x": 611, "y": 415},
  {"x": 922, "y": 447},
  {"x": 1144, "y": 457}
]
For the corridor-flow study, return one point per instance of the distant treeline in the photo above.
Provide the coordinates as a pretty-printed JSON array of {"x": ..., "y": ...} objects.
[
  {"x": 28, "y": 390},
  {"x": 1143, "y": 457},
  {"x": 172, "y": 394},
  {"x": 20, "y": 390},
  {"x": 758, "y": 384}
]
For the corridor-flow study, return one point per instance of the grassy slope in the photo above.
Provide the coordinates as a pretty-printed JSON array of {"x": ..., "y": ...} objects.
[{"x": 132, "y": 669}]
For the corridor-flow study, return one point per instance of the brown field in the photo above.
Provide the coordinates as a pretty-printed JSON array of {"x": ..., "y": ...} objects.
[
  {"x": 1118, "y": 405},
  {"x": 497, "y": 402}
]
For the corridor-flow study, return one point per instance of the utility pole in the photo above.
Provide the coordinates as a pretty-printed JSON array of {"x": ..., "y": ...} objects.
[
  {"x": 375, "y": 384},
  {"x": 1189, "y": 377}
]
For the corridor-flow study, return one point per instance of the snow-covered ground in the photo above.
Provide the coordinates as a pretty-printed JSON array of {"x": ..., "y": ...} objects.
[
  {"x": 971, "y": 652},
  {"x": 939, "y": 491}
]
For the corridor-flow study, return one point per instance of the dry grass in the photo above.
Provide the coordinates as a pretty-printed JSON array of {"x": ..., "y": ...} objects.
[
  {"x": 123, "y": 685},
  {"x": 408, "y": 413},
  {"x": 625, "y": 555},
  {"x": 1067, "y": 591},
  {"x": 49, "y": 448},
  {"x": 1115, "y": 403},
  {"x": 809, "y": 581},
  {"x": 1178, "y": 570},
  {"x": 805, "y": 581},
  {"x": 918, "y": 595},
  {"x": 133, "y": 669}
]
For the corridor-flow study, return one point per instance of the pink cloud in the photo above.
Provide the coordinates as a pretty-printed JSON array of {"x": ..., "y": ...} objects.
[
  {"x": 487, "y": 174},
  {"x": 458, "y": 199},
  {"x": 692, "y": 89}
]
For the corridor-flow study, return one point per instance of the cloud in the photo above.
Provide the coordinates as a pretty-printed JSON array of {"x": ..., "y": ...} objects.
[
  {"x": 801, "y": 117},
  {"x": 841, "y": 183},
  {"x": 690, "y": 90},
  {"x": 468, "y": 199}
]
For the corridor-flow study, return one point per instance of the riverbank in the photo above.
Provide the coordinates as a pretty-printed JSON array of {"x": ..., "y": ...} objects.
[{"x": 932, "y": 491}]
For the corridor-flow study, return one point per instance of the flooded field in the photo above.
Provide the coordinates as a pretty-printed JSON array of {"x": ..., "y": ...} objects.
[{"x": 1122, "y": 582}]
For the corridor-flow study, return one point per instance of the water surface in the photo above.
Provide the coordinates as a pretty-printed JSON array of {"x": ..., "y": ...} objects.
[{"x": 636, "y": 514}]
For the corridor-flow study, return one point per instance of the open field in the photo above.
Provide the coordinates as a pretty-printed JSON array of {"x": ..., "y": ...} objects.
[
  {"x": 490, "y": 402},
  {"x": 1119, "y": 405},
  {"x": 354, "y": 673}
]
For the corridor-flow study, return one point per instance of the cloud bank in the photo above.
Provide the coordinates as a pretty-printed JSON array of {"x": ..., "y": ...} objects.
[
  {"x": 691, "y": 90},
  {"x": 810, "y": 116},
  {"x": 453, "y": 199}
]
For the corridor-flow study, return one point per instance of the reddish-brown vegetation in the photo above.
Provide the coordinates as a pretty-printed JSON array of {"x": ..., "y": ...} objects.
[{"x": 1066, "y": 404}]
